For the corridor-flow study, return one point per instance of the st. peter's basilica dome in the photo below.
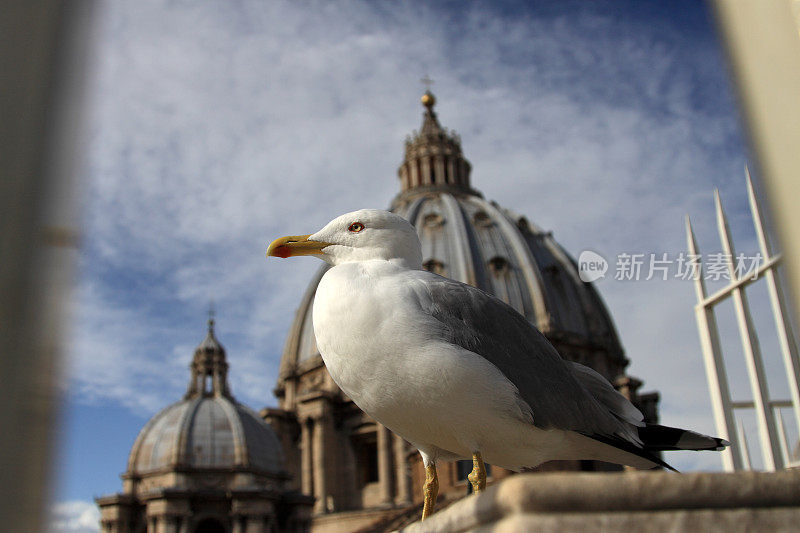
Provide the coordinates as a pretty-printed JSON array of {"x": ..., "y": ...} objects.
[{"x": 468, "y": 238}]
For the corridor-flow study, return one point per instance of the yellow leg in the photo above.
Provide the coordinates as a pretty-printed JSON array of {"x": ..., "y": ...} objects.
[
  {"x": 478, "y": 475},
  {"x": 430, "y": 490}
]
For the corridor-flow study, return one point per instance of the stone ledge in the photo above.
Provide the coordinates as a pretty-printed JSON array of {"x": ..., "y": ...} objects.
[
  {"x": 637, "y": 501},
  {"x": 349, "y": 520}
]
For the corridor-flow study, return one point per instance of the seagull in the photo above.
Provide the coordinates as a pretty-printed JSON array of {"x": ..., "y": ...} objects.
[{"x": 455, "y": 371}]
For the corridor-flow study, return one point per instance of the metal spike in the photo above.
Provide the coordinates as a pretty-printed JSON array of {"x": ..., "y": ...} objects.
[
  {"x": 744, "y": 449},
  {"x": 752, "y": 353},
  {"x": 783, "y": 441},
  {"x": 758, "y": 219},
  {"x": 714, "y": 365},
  {"x": 724, "y": 233},
  {"x": 691, "y": 245}
]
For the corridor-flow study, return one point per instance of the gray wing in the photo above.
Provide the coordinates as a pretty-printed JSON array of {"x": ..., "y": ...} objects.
[{"x": 559, "y": 393}]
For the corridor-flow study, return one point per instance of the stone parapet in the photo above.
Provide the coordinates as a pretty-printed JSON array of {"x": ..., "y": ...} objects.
[{"x": 633, "y": 501}]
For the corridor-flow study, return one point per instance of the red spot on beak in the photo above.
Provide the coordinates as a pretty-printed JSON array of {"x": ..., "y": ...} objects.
[{"x": 282, "y": 251}]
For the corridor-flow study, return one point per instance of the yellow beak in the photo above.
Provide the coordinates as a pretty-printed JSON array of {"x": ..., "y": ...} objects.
[{"x": 295, "y": 245}]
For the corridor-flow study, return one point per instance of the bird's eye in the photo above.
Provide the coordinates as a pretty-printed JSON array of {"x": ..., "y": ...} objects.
[{"x": 355, "y": 227}]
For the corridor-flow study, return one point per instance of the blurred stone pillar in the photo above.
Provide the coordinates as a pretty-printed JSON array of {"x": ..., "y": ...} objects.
[
  {"x": 255, "y": 524},
  {"x": 402, "y": 472},
  {"x": 385, "y": 478},
  {"x": 306, "y": 465},
  {"x": 184, "y": 524},
  {"x": 43, "y": 57},
  {"x": 764, "y": 50},
  {"x": 319, "y": 441}
]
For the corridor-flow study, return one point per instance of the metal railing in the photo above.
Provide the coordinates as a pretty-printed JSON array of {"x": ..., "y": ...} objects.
[{"x": 775, "y": 447}]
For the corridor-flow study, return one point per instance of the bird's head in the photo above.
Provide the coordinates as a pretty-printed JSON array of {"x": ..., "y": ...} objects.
[{"x": 362, "y": 235}]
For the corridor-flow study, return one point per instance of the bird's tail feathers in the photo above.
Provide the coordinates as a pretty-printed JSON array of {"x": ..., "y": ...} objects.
[
  {"x": 631, "y": 448},
  {"x": 656, "y": 437}
]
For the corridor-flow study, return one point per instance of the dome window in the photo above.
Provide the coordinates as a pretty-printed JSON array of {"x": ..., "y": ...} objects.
[
  {"x": 435, "y": 266},
  {"x": 433, "y": 220},
  {"x": 499, "y": 265},
  {"x": 482, "y": 219}
]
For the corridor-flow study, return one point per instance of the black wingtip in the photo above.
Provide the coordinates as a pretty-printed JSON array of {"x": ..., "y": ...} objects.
[
  {"x": 631, "y": 448},
  {"x": 662, "y": 438}
]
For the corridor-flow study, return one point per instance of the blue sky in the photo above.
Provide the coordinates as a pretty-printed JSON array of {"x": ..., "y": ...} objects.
[{"x": 216, "y": 127}]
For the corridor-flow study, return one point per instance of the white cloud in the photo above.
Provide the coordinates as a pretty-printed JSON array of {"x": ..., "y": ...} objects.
[
  {"x": 119, "y": 357},
  {"x": 74, "y": 517},
  {"x": 220, "y": 126}
]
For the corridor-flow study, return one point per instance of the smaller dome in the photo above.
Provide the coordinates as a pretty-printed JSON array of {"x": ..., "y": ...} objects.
[
  {"x": 208, "y": 429},
  {"x": 206, "y": 433}
]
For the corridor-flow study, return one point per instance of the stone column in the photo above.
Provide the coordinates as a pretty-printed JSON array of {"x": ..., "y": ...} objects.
[
  {"x": 404, "y": 177},
  {"x": 254, "y": 524},
  {"x": 319, "y": 439},
  {"x": 385, "y": 464},
  {"x": 451, "y": 171},
  {"x": 184, "y": 527},
  {"x": 402, "y": 472},
  {"x": 426, "y": 178},
  {"x": 306, "y": 465},
  {"x": 441, "y": 178}
]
